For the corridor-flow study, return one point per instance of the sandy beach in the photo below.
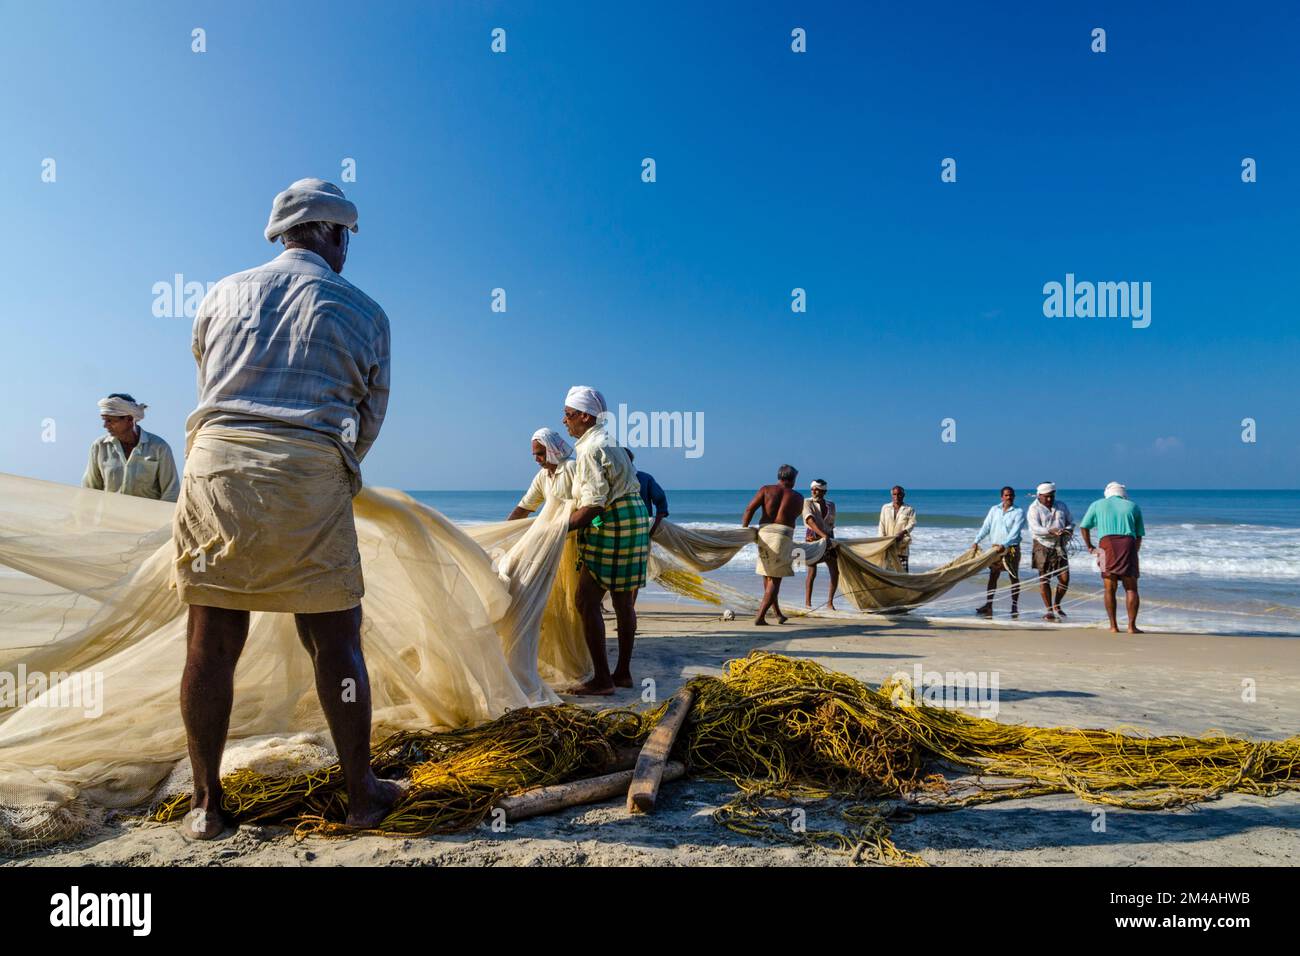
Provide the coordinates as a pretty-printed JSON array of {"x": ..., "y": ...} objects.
[{"x": 1051, "y": 675}]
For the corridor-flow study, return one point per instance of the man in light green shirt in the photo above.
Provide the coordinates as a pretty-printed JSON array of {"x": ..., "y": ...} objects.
[{"x": 129, "y": 460}]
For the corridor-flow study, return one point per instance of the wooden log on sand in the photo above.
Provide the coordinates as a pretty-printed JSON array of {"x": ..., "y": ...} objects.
[
  {"x": 542, "y": 800},
  {"x": 644, "y": 789}
]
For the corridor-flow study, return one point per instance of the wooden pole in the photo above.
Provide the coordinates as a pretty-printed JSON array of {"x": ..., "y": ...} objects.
[
  {"x": 542, "y": 800},
  {"x": 644, "y": 789}
]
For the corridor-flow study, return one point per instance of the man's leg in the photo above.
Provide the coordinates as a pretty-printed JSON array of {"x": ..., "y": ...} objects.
[
  {"x": 761, "y": 617},
  {"x": 833, "y": 563},
  {"x": 776, "y": 600},
  {"x": 1062, "y": 585},
  {"x": 807, "y": 588},
  {"x": 1131, "y": 604},
  {"x": 625, "y": 610},
  {"x": 1108, "y": 586},
  {"x": 1045, "y": 585},
  {"x": 1014, "y": 575},
  {"x": 590, "y": 598},
  {"x": 333, "y": 639},
  {"x": 214, "y": 640},
  {"x": 994, "y": 573}
]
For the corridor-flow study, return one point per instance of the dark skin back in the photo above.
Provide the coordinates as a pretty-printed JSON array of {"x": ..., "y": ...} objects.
[{"x": 778, "y": 503}]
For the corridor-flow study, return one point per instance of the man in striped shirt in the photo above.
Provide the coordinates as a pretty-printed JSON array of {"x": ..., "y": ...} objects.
[{"x": 293, "y": 366}]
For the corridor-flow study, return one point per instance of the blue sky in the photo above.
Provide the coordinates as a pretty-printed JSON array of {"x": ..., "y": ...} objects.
[{"x": 775, "y": 170}]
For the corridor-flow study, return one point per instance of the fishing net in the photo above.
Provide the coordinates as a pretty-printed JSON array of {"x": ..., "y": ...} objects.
[
  {"x": 870, "y": 575},
  {"x": 92, "y": 642},
  {"x": 461, "y": 632}
]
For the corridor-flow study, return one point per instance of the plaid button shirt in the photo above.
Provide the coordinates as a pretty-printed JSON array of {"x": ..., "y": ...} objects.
[{"x": 292, "y": 346}]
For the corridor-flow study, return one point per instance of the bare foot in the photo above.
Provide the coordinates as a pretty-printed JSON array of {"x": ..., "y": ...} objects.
[
  {"x": 202, "y": 824},
  {"x": 781, "y": 619},
  {"x": 985, "y": 610},
  {"x": 1135, "y": 630},
  {"x": 830, "y": 607},
  {"x": 622, "y": 680},
  {"x": 760, "y": 622},
  {"x": 591, "y": 690},
  {"x": 1114, "y": 629},
  {"x": 1049, "y": 616},
  {"x": 1015, "y": 615},
  {"x": 377, "y": 805},
  {"x": 1060, "y": 613}
]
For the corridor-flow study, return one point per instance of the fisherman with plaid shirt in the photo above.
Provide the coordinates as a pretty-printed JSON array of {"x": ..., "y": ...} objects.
[{"x": 613, "y": 536}]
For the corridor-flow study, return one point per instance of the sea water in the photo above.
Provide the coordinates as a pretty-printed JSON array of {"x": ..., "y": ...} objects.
[{"x": 1223, "y": 562}]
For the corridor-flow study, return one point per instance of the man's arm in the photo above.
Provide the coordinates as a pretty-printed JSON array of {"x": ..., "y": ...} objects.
[
  {"x": 660, "y": 499},
  {"x": 93, "y": 478},
  {"x": 986, "y": 528},
  {"x": 582, "y": 517},
  {"x": 372, "y": 409},
  {"x": 593, "y": 490},
  {"x": 753, "y": 506},
  {"x": 1089, "y": 521},
  {"x": 815, "y": 522},
  {"x": 169, "y": 482},
  {"x": 880, "y": 525},
  {"x": 1037, "y": 527},
  {"x": 909, "y": 521}
]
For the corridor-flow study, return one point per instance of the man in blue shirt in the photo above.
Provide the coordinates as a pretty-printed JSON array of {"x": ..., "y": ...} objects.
[
  {"x": 656, "y": 502},
  {"x": 1003, "y": 526}
]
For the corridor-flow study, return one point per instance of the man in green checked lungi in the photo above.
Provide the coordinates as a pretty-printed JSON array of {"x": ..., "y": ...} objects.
[{"x": 613, "y": 536}]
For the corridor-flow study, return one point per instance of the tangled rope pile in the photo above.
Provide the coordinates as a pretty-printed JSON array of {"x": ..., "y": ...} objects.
[{"x": 783, "y": 731}]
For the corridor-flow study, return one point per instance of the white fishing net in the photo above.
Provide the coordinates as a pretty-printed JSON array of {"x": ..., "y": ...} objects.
[{"x": 460, "y": 626}]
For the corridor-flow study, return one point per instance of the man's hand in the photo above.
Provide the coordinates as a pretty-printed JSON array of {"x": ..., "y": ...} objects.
[{"x": 999, "y": 547}]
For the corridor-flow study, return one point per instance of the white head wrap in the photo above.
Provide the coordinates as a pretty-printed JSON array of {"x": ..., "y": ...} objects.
[
  {"x": 310, "y": 200},
  {"x": 584, "y": 398},
  {"x": 557, "y": 449},
  {"x": 1046, "y": 488},
  {"x": 1115, "y": 488},
  {"x": 120, "y": 406},
  {"x": 818, "y": 483}
]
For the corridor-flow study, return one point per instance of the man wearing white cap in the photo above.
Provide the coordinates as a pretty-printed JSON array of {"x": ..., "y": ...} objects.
[
  {"x": 1120, "y": 530},
  {"x": 613, "y": 539},
  {"x": 1052, "y": 527},
  {"x": 129, "y": 460},
  {"x": 293, "y": 370},
  {"x": 819, "y": 522}
]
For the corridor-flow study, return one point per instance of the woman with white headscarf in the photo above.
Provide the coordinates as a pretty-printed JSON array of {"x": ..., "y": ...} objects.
[
  {"x": 554, "y": 478},
  {"x": 560, "y": 657},
  {"x": 129, "y": 460}
]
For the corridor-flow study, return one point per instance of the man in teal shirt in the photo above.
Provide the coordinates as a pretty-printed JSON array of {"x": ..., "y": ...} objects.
[{"x": 1119, "y": 527}]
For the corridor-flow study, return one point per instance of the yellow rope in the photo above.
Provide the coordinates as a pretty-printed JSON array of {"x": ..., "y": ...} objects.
[{"x": 781, "y": 729}]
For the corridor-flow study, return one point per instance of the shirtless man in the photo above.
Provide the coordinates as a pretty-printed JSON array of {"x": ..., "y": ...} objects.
[{"x": 781, "y": 506}]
